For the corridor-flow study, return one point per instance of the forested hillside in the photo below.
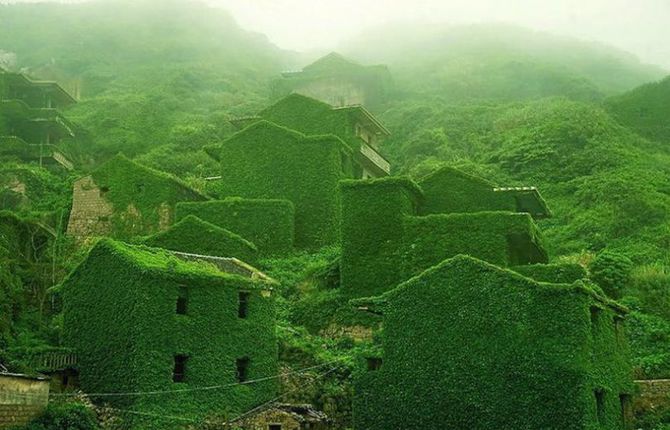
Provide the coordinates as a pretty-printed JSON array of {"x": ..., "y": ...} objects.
[{"x": 159, "y": 81}]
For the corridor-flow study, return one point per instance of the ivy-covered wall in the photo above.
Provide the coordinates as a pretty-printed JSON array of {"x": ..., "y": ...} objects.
[
  {"x": 266, "y": 161},
  {"x": 195, "y": 236},
  {"x": 372, "y": 222},
  {"x": 560, "y": 273},
  {"x": 123, "y": 199},
  {"x": 501, "y": 238},
  {"x": 120, "y": 315},
  {"x": 469, "y": 345},
  {"x": 449, "y": 190},
  {"x": 269, "y": 224}
]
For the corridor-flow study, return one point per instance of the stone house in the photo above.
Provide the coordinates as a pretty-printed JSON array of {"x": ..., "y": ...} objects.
[
  {"x": 355, "y": 125},
  {"x": 283, "y": 416},
  {"x": 31, "y": 125},
  {"x": 122, "y": 199},
  {"x": 146, "y": 320},
  {"x": 337, "y": 81},
  {"x": 467, "y": 344},
  {"x": 22, "y": 398},
  {"x": 270, "y": 162}
]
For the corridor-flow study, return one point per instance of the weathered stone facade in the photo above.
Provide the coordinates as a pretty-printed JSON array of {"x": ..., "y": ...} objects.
[
  {"x": 653, "y": 396},
  {"x": 21, "y": 398},
  {"x": 91, "y": 212}
]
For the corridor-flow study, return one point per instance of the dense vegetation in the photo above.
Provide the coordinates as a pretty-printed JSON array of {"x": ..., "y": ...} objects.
[{"x": 518, "y": 107}]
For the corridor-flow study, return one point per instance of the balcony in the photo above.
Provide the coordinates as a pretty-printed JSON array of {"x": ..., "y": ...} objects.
[
  {"x": 17, "y": 147},
  {"x": 373, "y": 160}
]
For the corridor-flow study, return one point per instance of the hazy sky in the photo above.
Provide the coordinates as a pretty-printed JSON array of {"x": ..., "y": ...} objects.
[{"x": 639, "y": 26}]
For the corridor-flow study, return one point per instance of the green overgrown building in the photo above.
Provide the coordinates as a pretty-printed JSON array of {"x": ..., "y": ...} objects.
[{"x": 144, "y": 321}]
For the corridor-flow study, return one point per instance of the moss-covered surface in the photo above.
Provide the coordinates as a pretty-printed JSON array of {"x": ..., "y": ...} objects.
[
  {"x": 372, "y": 220},
  {"x": 195, "y": 236},
  {"x": 266, "y": 161},
  {"x": 449, "y": 190},
  {"x": 126, "y": 331},
  {"x": 501, "y": 238},
  {"x": 469, "y": 345},
  {"x": 267, "y": 223},
  {"x": 140, "y": 196},
  {"x": 559, "y": 273}
]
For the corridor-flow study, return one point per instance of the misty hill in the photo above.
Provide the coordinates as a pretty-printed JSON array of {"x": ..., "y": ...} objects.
[
  {"x": 645, "y": 109},
  {"x": 498, "y": 62},
  {"x": 150, "y": 72}
]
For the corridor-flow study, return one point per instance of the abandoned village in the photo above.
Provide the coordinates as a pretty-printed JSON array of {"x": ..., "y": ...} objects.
[{"x": 467, "y": 320}]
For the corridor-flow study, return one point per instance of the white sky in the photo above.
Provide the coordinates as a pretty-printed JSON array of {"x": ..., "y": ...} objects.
[{"x": 639, "y": 26}]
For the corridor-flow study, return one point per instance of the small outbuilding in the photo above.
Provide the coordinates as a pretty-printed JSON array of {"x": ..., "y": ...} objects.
[
  {"x": 282, "y": 416},
  {"x": 22, "y": 397}
]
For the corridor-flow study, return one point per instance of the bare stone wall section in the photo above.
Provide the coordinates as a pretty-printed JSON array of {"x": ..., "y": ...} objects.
[
  {"x": 91, "y": 212},
  {"x": 653, "y": 396},
  {"x": 21, "y": 399}
]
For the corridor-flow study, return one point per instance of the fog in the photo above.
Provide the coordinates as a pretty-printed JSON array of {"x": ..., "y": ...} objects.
[{"x": 641, "y": 27}]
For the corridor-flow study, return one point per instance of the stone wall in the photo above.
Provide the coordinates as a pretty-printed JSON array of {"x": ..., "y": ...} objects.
[
  {"x": 91, "y": 212},
  {"x": 653, "y": 396},
  {"x": 21, "y": 398}
]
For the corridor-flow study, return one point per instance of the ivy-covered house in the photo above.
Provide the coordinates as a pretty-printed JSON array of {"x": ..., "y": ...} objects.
[
  {"x": 355, "y": 125},
  {"x": 337, "y": 81},
  {"x": 143, "y": 320},
  {"x": 195, "y": 236},
  {"x": 267, "y": 161},
  {"x": 123, "y": 199},
  {"x": 31, "y": 125},
  {"x": 467, "y": 344},
  {"x": 394, "y": 228}
]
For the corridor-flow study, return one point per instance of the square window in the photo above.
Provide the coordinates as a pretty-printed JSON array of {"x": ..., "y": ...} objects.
[{"x": 374, "y": 363}]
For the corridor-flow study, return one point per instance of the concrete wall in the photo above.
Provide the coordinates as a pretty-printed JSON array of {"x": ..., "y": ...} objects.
[
  {"x": 91, "y": 213},
  {"x": 21, "y": 399}
]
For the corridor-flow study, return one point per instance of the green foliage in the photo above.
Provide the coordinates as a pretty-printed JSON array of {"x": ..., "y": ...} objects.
[
  {"x": 612, "y": 271},
  {"x": 132, "y": 314},
  {"x": 269, "y": 224},
  {"x": 497, "y": 62},
  {"x": 644, "y": 109},
  {"x": 141, "y": 83},
  {"x": 139, "y": 194},
  {"x": 195, "y": 236},
  {"x": 266, "y": 161},
  {"x": 372, "y": 219},
  {"x": 565, "y": 273},
  {"x": 501, "y": 238},
  {"x": 651, "y": 286},
  {"x": 44, "y": 191},
  {"x": 649, "y": 338},
  {"x": 500, "y": 343},
  {"x": 64, "y": 416}
]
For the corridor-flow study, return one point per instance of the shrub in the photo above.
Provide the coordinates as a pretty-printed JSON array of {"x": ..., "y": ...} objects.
[
  {"x": 64, "y": 416},
  {"x": 612, "y": 271}
]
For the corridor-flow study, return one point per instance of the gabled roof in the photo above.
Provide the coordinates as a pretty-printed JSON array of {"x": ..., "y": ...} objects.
[
  {"x": 152, "y": 261},
  {"x": 192, "y": 234},
  {"x": 265, "y": 129},
  {"x": 122, "y": 163},
  {"x": 332, "y": 61},
  {"x": 462, "y": 264}
]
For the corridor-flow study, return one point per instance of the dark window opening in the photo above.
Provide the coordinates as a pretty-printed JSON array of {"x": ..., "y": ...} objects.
[
  {"x": 619, "y": 329},
  {"x": 242, "y": 372},
  {"x": 274, "y": 427},
  {"x": 600, "y": 405},
  {"x": 179, "y": 372},
  {"x": 595, "y": 315},
  {"x": 182, "y": 301},
  {"x": 626, "y": 410},
  {"x": 243, "y": 305},
  {"x": 139, "y": 187},
  {"x": 374, "y": 363},
  {"x": 104, "y": 190}
]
